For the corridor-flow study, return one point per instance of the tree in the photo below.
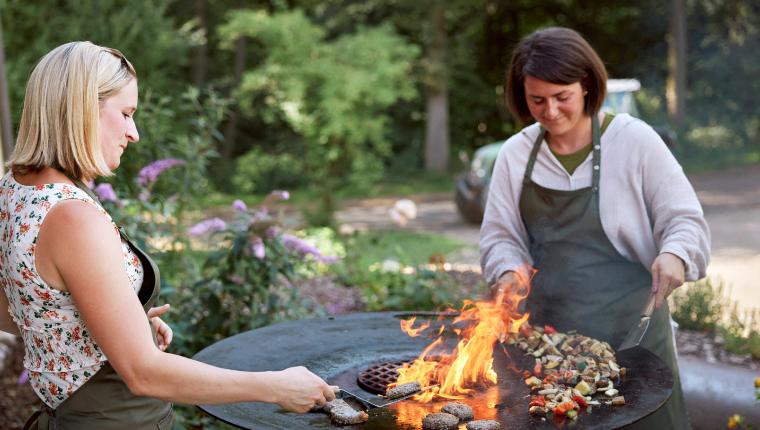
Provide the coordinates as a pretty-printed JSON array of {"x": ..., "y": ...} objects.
[
  {"x": 436, "y": 92},
  {"x": 676, "y": 86},
  {"x": 334, "y": 93},
  {"x": 6, "y": 126}
]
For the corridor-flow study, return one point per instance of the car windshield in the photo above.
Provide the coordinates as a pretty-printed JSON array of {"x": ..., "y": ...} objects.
[{"x": 622, "y": 102}]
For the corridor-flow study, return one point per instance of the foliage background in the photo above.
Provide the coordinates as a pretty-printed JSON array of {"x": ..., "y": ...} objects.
[{"x": 178, "y": 43}]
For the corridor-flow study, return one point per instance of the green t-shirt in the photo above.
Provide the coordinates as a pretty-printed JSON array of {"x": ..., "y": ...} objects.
[{"x": 571, "y": 161}]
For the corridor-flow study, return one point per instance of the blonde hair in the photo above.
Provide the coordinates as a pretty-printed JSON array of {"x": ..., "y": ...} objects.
[{"x": 59, "y": 123}]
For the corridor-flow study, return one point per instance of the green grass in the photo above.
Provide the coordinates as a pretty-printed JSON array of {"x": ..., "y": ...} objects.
[{"x": 405, "y": 247}]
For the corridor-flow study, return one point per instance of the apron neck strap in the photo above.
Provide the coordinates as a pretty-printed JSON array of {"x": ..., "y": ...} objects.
[
  {"x": 595, "y": 159},
  {"x": 95, "y": 197},
  {"x": 83, "y": 187},
  {"x": 534, "y": 154}
]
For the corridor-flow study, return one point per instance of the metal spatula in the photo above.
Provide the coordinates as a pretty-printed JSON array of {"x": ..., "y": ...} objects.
[
  {"x": 637, "y": 332},
  {"x": 367, "y": 405}
]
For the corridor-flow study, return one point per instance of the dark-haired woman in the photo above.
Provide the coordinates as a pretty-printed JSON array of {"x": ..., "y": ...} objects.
[{"x": 595, "y": 202}]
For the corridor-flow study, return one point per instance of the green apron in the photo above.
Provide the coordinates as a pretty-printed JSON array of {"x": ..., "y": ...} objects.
[
  {"x": 584, "y": 284},
  {"x": 104, "y": 402}
]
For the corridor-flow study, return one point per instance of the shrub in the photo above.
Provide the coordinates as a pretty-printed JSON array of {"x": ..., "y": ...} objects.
[
  {"x": 699, "y": 306},
  {"x": 742, "y": 332},
  {"x": 703, "y": 306},
  {"x": 241, "y": 284},
  {"x": 258, "y": 172}
]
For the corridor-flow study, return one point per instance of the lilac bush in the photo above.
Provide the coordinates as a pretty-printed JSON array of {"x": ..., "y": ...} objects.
[
  {"x": 23, "y": 378},
  {"x": 257, "y": 248},
  {"x": 106, "y": 193},
  {"x": 240, "y": 205},
  {"x": 243, "y": 283},
  {"x": 304, "y": 248},
  {"x": 150, "y": 173},
  {"x": 207, "y": 226}
]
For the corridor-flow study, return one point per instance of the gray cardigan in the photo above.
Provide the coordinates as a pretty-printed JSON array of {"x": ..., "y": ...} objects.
[{"x": 647, "y": 206}]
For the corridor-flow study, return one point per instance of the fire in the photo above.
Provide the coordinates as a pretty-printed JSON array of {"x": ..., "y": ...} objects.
[
  {"x": 406, "y": 327},
  {"x": 471, "y": 362}
]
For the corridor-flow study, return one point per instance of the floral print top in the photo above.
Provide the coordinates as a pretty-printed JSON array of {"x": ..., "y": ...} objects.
[{"x": 60, "y": 353}]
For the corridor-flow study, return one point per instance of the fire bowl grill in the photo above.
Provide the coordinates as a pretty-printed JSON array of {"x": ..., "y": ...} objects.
[{"x": 340, "y": 348}]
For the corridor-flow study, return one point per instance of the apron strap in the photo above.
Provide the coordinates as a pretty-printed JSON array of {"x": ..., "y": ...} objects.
[
  {"x": 32, "y": 422},
  {"x": 533, "y": 155},
  {"x": 95, "y": 197}
]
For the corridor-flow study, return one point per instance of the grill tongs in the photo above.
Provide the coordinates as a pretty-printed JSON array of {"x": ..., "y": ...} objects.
[{"x": 367, "y": 405}]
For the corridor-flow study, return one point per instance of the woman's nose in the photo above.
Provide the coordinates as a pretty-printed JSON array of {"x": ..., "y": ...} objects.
[
  {"x": 132, "y": 134},
  {"x": 551, "y": 108}
]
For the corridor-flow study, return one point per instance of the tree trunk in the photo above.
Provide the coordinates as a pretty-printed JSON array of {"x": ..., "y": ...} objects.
[
  {"x": 437, "y": 106},
  {"x": 437, "y": 131},
  {"x": 6, "y": 126},
  {"x": 676, "y": 84},
  {"x": 230, "y": 131},
  {"x": 200, "y": 56}
]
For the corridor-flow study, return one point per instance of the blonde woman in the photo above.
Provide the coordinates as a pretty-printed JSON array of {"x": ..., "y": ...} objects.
[{"x": 75, "y": 289}]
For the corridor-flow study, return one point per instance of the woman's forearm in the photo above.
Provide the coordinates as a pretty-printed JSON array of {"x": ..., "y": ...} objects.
[{"x": 178, "y": 379}]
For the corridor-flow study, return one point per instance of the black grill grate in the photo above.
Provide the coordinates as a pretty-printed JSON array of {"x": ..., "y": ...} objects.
[{"x": 375, "y": 379}]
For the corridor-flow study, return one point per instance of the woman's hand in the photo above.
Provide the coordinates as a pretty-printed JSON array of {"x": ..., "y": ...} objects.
[
  {"x": 668, "y": 272},
  {"x": 162, "y": 330},
  {"x": 504, "y": 284},
  {"x": 298, "y": 390}
]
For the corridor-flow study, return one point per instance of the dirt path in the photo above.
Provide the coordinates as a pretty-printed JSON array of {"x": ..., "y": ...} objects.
[{"x": 730, "y": 198}]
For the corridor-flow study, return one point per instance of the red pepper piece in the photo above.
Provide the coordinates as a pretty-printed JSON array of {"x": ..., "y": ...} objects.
[
  {"x": 537, "y": 369},
  {"x": 562, "y": 408},
  {"x": 549, "y": 329},
  {"x": 537, "y": 401},
  {"x": 526, "y": 330},
  {"x": 580, "y": 401}
]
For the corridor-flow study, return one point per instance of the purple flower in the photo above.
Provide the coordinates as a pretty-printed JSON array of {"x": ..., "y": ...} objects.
[
  {"x": 329, "y": 259},
  {"x": 303, "y": 248},
  {"x": 149, "y": 173},
  {"x": 106, "y": 193},
  {"x": 144, "y": 195},
  {"x": 239, "y": 205},
  {"x": 272, "y": 231},
  {"x": 257, "y": 248},
  {"x": 23, "y": 377},
  {"x": 207, "y": 226},
  {"x": 280, "y": 195}
]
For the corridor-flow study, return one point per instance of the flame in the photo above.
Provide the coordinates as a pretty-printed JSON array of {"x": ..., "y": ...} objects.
[
  {"x": 471, "y": 363},
  {"x": 406, "y": 327}
]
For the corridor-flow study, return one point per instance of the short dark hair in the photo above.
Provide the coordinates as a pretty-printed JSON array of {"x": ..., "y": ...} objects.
[{"x": 558, "y": 55}]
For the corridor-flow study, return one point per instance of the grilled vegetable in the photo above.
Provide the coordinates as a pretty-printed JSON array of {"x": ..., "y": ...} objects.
[
  {"x": 584, "y": 388},
  {"x": 574, "y": 368}
]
